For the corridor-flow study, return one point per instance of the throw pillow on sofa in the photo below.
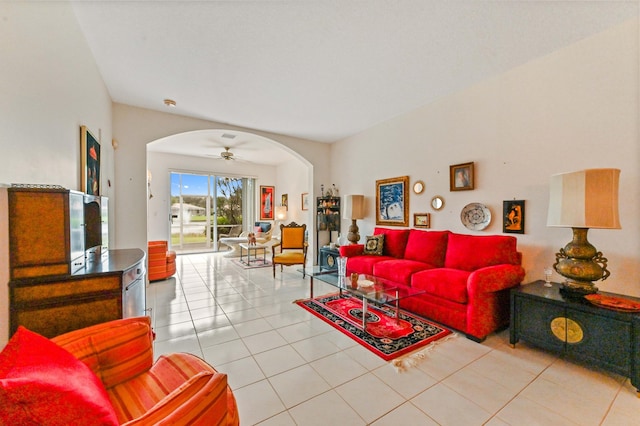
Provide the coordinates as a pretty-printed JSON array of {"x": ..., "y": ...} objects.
[
  {"x": 374, "y": 244},
  {"x": 42, "y": 383}
]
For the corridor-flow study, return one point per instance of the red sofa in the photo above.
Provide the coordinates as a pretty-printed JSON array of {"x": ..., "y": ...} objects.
[{"x": 466, "y": 278}]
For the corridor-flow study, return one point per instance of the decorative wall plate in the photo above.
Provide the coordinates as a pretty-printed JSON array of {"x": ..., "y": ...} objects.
[{"x": 475, "y": 216}]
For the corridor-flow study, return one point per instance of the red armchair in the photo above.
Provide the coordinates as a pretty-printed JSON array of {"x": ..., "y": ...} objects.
[{"x": 162, "y": 261}]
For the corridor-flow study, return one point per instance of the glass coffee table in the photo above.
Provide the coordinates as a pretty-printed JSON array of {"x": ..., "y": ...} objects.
[{"x": 370, "y": 289}]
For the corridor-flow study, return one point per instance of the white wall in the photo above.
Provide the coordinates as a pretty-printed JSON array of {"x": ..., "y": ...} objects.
[
  {"x": 293, "y": 179},
  {"x": 576, "y": 108},
  {"x": 49, "y": 87},
  {"x": 134, "y": 128}
]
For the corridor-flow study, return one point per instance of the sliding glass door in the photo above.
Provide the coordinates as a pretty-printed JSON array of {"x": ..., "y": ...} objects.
[{"x": 205, "y": 208}]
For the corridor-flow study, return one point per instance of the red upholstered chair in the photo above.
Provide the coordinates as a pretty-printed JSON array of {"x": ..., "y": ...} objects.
[
  {"x": 162, "y": 261},
  {"x": 178, "y": 389}
]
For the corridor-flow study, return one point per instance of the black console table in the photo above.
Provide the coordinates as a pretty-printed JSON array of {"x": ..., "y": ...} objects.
[{"x": 571, "y": 326}]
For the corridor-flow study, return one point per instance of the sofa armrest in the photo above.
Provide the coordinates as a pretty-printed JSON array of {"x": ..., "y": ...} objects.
[
  {"x": 202, "y": 398},
  {"x": 352, "y": 250},
  {"x": 115, "y": 351},
  {"x": 494, "y": 278}
]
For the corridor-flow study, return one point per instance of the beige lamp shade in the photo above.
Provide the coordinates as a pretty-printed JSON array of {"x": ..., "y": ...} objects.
[
  {"x": 584, "y": 199},
  {"x": 354, "y": 207},
  {"x": 281, "y": 213}
]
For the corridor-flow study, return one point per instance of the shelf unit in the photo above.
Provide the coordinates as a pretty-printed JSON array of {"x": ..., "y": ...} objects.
[{"x": 327, "y": 218}]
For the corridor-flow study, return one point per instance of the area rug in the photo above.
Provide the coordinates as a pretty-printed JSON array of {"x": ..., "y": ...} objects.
[
  {"x": 253, "y": 264},
  {"x": 384, "y": 336}
]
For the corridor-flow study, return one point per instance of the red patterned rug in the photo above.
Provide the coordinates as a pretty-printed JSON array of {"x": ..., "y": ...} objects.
[{"x": 384, "y": 336}]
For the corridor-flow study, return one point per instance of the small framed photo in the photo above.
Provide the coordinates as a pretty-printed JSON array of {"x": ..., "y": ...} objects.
[
  {"x": 513, "y": 216},
  {"x": 305, "y": 200},
  {"x": 285, "y": 201},
  {"x": 422, "y": 220},
  {"x": 461, "y": 177}
]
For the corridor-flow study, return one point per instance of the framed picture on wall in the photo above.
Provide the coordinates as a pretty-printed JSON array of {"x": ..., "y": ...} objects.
[
  {"x": 266, "y": 202},
  {"x": 422, "y": 220},
  {"x": 90, "y": 164},
  {"x": 392, "y": 201},
  {"x": 513, "y": 216},
  {"x": 285, "y": 201},
  {"x": 305, "y": 201},
  {"x": 461, "y": 177}
]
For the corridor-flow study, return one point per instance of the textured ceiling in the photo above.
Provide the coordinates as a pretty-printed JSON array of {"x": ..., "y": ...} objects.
[{"x": 321, "y": 70}]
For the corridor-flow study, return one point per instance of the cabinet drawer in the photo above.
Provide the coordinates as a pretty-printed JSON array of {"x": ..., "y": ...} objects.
[
  {"x": 606, "y": 341},
  {"x": 132, "y": 274},
  {"x": 534, "y": 323},
  {"x": 53, "y": 320},
  {"x": 51, "y": 292}
]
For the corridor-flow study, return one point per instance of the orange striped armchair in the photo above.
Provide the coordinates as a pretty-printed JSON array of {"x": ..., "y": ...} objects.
[
  {"x": 162, "y": 261},
  {"x": 178, "y": 389}
]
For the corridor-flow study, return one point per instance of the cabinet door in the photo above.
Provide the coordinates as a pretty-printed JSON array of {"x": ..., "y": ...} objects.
[
  {"x": 133, "y": 298},
  {"x": 38, "y": 232},
  {"x": 606, "y": 341},
  {"x": 536, "y": 320}
]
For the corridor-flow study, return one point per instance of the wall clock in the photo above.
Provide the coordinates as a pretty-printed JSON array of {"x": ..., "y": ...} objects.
[{"x": 475, "y": 216}]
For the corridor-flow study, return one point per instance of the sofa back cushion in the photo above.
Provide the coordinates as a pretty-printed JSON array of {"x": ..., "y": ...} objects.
[
  {"x": 427, "y": 246},
  {"x": 395, "y": 241},
  {"x": 471, "y": 252}
]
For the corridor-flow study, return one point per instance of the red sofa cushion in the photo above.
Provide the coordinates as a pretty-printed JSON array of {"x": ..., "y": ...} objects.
[
  {"x": 450, "y": 284},
  {"x": 364, "y": 264},
  {"x": 398, "y": 270},
  {"x": 42, "y": 383},
  {"x": 395, "y": 241},
  {"x": 471, "y": 252},
  {"x": 427, "y": 246}
]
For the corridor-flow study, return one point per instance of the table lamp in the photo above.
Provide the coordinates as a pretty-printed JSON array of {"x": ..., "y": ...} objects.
[
  {"x": 354, "y": 209},
  {"x": 582, "y": 200}
]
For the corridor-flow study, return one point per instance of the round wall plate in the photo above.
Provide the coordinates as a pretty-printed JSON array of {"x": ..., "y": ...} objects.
[
  {"x": 475, "y": 216},
  {"x": 418, "y": 187}
]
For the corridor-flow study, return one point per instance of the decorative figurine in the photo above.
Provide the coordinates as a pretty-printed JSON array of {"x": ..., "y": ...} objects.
[{"x": 252, "y": 238}]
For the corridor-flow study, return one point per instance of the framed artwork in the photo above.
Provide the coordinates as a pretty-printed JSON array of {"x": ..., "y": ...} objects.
[
  {"x": 266, "y": 202},
  {"x": 285, "y": 201},
  {"x": 461, "y": 177},
  {"x": 513, "y": 216},
  {"x": 305, "y": 200},
  {"x": 392, "y": 201},
  {"x": 90, "y": 153},
  {"x": 422, "y": 220}
]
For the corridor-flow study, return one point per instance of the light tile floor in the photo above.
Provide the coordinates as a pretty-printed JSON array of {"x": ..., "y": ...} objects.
[{"x": 286, "y": 367}]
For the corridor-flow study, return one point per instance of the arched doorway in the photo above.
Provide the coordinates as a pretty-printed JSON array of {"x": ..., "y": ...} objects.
[{"x": 194, "y": 220}]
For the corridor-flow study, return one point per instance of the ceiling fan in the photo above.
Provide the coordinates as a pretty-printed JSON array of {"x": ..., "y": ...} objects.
[{"x": 226, "y": 154}]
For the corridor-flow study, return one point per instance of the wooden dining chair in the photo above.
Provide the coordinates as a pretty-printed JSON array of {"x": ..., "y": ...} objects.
[{"x": 292, "y": 245}]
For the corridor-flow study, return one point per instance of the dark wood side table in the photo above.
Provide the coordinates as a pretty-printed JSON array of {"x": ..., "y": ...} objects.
[
  {"x": 543, "y": 316},
  {"x": 328, "y": 258}
]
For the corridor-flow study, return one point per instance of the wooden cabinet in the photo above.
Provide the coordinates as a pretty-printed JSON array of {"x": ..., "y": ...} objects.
[
  {"x": 111, "y": 289},
  {"x": 574, "y": 327},
  {"x": 39, "y": 232},
  {"x": 58, "y": 284},
  {"x": 328, "y": 258}
]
